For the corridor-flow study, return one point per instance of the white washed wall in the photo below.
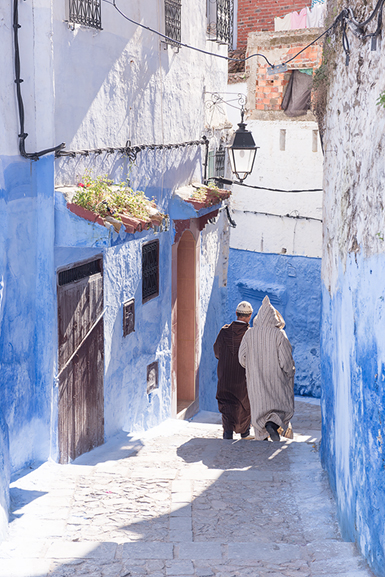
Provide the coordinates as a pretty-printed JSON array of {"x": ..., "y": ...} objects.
[
  {"x": 298, "y": 167},
  {"x": 121, "y": 83}
]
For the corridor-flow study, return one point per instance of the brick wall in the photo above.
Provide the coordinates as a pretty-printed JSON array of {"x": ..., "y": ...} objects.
[
  {"x": 269, "y": 90},
  {"x": 278, "y": 47},
  {"x": 258, "y": 15}
]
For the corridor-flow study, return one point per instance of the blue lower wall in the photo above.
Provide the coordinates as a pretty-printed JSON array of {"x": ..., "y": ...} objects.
[
  {"x": 5, "y": 472},
  {"x": 353, "y": 402},
  {"x": 27, "y": 306},
  {"x": 294, "y": 285}
]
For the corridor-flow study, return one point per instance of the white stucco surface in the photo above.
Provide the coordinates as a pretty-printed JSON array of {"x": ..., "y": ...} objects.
[
  {"x": 298, "y": 167},
  {"x": 141, "y": 90}
]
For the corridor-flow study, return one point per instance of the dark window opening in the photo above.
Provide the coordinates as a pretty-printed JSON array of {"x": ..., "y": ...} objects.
[
  {"x": 86, "y": 12},
  {"x": 152, "y": 377},
  {"x": 79, "y": 272},
  {"x": 172, "y": 15},
  {"x": 150, "y": 270},
  {"x": 220, "y": 16},
  {"x": 128, "y": 317},
  {"x": 297, "y": 98}
]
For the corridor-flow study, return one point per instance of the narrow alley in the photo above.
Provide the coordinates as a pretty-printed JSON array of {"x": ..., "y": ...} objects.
[{"x": 180, "y": 501}]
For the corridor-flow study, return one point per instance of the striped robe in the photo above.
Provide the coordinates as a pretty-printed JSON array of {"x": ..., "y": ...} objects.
[
  {"x": 265, "y": 352},
  {"x": 232, "y": 398}
]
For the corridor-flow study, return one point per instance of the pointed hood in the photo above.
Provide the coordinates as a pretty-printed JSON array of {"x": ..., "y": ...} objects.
[{"x": 268, "y": 316}]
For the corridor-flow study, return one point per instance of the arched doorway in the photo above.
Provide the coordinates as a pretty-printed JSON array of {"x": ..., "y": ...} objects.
[{"x": 186, "y": 326}]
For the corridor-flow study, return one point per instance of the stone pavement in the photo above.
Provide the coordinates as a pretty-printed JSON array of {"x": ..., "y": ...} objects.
[{"x": 180, "y": 501}]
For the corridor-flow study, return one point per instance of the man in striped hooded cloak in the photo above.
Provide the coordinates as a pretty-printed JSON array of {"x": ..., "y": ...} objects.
[{"x": 265, "y": 352}]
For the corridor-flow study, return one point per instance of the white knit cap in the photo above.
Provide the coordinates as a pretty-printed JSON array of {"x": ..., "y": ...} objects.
[{"x": 244, "y": 308}]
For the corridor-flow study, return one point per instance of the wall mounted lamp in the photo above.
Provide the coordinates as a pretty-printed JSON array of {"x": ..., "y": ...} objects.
[{"x": 242, "y": 151}]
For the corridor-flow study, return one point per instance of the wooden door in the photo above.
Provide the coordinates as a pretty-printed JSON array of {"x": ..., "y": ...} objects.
[
  {"x": 186, "y": 321},
  {"x": 81, "y": 359}
]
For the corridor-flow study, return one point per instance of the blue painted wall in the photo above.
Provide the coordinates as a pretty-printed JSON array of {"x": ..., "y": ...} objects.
[
  {"x": 127, "y": 405},
  {"x": 27, "y": 307},
  {"x": 293, "y": 283},
  {"x": 5, "y": 475},
  {"x": 213, "y": 308},
  {"x": 353, "y": 402}
]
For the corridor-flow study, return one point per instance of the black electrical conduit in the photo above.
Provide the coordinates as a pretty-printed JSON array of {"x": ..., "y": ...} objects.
[
  {"x": 281, "y": 215},
  {"x": 345, "y": 16},
  {"x": 18, "y": 80},
  {"x": 128, "y": 150},
  {"x": 221, "y": 180}
]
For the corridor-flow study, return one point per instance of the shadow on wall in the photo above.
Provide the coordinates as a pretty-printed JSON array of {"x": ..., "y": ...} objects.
[
  {"x": 214, "y": 321},
  {"x": 5, "y": 476},
  {"x": 293, "y": 285},
  {"x": 167, "y": 168}
]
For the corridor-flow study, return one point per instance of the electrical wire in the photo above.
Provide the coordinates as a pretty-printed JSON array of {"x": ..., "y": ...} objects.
[
  {"x": 228, "y": 181},
  {"x": 278, "y": 189},
  {"x": 345, "y": 17},
  {"x": 288, "y": 215},
  {"x": 18, "y": 80},
  {"x": 177, "y": 42}
]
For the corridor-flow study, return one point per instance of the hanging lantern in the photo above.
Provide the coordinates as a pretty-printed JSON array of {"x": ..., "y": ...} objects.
[{"x": 242, "y": 151}]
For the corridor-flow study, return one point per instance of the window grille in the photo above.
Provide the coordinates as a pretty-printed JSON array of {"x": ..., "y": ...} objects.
[
  {"x": 220, "y": 17},
  {"x": 172, "y": 14},
  {"x": 211, "y": 164},
  {"x": 150, "y": 270},
  {"x": 79, "y": 272},
  {"x": 217, "y": 163},
  {"x": 220, "y": 162},
  {"x": 86, "y": 12}
]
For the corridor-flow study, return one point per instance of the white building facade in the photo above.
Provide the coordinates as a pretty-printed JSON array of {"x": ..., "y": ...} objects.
[
  {"x": 276, "y": 246},
  {"x": 128, "y": 103}
]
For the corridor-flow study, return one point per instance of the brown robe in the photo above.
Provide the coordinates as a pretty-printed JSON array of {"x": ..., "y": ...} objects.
[{"x": 233, "y": 401}]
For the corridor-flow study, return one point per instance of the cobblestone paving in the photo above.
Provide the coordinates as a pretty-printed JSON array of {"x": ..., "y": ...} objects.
[{"x": 180, "y": 501}]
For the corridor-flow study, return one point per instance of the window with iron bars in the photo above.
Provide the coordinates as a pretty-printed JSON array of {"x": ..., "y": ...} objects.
[
  {"x": 220, "y": 16},
  {"x": 217, "y": 164},
  {"x": 150, "y": 270},
  {"x": 172, "y": 18},
  {"x": 86, "y": 12}
]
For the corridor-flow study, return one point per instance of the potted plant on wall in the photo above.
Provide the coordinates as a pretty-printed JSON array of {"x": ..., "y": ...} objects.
[
  {"x": 206, "y": 196},
  {"x": 99, "y": 200}
]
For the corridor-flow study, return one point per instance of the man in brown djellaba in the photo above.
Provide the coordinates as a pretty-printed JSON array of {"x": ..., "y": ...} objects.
[{"x": 233, "y": 401}]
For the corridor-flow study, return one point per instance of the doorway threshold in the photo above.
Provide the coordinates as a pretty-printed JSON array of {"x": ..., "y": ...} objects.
[{"x": 187, "y": 409}]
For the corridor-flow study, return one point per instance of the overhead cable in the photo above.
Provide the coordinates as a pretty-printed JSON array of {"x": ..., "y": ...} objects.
[{"x": 288, "y": 215}]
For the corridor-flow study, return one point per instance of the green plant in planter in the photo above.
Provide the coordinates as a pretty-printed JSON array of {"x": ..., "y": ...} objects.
[
  {"x": 209, "y": 194},
  {"x": 92, "y": 192},
  {"x": 133, "y": 202},
  {"x": 101, "y": 197}
]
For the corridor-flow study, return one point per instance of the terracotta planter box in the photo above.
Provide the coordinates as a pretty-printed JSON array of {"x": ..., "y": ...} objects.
[
  {"x": 145, "y": 223},
  {"x": 211, "y": 199},
  {"x": 84, "y": 213},
  {"x": 197, "y": 204},
  {"x": 115, "y": 223},
  {"x": 131, "y": 223},
  {"x": 156, "y": 219}
]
